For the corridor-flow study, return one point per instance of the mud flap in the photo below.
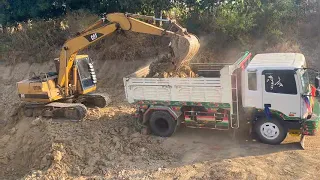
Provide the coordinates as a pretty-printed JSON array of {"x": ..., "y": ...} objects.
[
  {"x": 302, "y": 139},
  {"x": 139, "y": 126},
  {"x": 245, "y": 131},
  {"x": 145, "y": 131}
]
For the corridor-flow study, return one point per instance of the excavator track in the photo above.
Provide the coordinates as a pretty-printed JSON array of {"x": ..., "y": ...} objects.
[
  {"x": 70, "y": 111},
  {"x": 100, "y": 100}
]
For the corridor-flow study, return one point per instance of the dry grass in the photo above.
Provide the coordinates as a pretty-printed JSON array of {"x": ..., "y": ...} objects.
[
  {"x": 43, "y": 41},
  {"x": 32, "y": 45}
]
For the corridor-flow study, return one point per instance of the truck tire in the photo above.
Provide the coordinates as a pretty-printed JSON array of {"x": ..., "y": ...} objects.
[
  {"x": 270, "y": 131},
  {"x": 162, "y": 124}
]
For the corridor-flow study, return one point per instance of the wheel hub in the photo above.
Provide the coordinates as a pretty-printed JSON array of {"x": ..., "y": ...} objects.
[{"x": 269, "y": 130}]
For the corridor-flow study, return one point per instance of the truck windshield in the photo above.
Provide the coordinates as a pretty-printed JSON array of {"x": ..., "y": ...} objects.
[{"x": 304, "y": 81}]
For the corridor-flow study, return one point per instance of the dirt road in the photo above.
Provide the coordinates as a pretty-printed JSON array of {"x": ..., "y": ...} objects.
[{"x": 109, "y": 147}]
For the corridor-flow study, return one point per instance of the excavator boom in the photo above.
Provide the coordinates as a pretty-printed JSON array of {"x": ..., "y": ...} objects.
[{"x": 185, "y": 45}]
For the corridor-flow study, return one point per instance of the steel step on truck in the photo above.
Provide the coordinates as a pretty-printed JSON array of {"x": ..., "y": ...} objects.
[{"x": 273, "y": 91}]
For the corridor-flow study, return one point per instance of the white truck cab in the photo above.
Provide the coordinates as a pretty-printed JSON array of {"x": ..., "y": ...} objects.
[
  {"x": 276, "y": 81},
  {"x": 277, "y": 85}
]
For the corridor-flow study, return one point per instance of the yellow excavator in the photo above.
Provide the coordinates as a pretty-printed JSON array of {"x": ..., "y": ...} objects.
[{"x": 67, "y": 92}]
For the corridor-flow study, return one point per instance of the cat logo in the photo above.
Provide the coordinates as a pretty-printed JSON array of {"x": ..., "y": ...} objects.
[{"x": 93, "y": 36}]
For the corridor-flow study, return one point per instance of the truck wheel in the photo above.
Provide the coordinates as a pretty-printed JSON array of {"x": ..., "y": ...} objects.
[
  {"x": 270, "y": 131},
  {"x": 162, "y": 124}
]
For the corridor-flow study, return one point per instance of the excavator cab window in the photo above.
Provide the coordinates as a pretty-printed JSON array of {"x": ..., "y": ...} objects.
[{"x": 86, "y": 73}]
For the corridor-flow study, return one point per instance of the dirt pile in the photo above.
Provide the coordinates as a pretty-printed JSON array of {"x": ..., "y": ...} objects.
[
  {"x": 23, "y": 141},
  {"x": 22, "y": 147},
  {"x": 163, "y": 68},
  {"x": 103, "y": 146}
]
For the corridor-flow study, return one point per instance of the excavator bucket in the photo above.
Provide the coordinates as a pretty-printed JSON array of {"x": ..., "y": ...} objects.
[
  {"x": 184, "y": 46},
  {"x": 184, "y": 49}
]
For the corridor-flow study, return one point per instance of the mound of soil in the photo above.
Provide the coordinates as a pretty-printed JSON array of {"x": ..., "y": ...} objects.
[
  {"x": 23, "y": 146},
  {"x": 165, "y": 69},
  {"x": 103, "y": 146}
]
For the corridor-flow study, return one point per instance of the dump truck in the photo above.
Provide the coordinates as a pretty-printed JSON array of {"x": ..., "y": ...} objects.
[{"x": 272, "y": 90}]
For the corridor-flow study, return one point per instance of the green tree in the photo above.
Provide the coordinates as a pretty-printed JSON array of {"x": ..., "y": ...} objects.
[
  {"x": 277, "y": 17},
  {"x": 21, "y": 10},
  {"x": 237, "y": 18},
  {"x": 4, "y": 11}
]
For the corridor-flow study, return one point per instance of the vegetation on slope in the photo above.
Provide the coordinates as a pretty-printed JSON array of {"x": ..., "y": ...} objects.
[{"x": 221, "y": 25}]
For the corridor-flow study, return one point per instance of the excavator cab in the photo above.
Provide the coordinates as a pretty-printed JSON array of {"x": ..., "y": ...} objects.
[
  {"x": 87, "y": 76},
  {"x": 42, "y": 87},
  {"x": 83, "y": 74}
]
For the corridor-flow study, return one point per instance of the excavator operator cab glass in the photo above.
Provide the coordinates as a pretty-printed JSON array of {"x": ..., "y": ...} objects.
[{"x": 86, "y": 73}]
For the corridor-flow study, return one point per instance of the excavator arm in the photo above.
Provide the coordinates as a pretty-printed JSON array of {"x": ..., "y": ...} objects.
[{"x": 126, "y": 22}]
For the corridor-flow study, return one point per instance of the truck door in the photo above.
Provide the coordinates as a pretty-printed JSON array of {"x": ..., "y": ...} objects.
[{"x": 280, "y": 92}]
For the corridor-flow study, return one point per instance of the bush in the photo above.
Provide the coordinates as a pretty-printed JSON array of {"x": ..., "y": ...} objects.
[
  {"x": 39, "y": 42},
  {"x": 241, "y": 20},
  {"x": 42, "y": 41},
  {"x": 277, "y": 18},
  {"x": 237, "y": 18}
]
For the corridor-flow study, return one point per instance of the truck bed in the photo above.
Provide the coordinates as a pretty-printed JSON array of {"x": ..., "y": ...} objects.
[
  {"x": 213, "y": 89},
  {"x": 219, "y": 87}
]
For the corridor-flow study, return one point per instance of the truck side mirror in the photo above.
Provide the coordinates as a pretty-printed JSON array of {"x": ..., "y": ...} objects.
[{"x": 317, "y": 83}]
